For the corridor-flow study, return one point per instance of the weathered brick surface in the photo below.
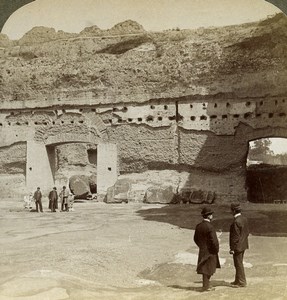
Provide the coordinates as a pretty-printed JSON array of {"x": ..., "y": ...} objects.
[{"x": 184, "y": 101}]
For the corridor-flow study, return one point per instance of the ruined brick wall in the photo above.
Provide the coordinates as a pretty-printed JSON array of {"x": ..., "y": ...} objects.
[
  {"x": 13, "y": 169},
  {"x": 187, "y": 102},
  {"x": 142, "y": 148},
  {"x": 153, "y": 136},
  {"x": 13, "y": 159}
]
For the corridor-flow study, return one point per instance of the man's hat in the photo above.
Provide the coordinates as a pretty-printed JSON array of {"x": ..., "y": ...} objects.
[
  {"x": 235, "y": 206},
  {"x": 206, "y": 211}
]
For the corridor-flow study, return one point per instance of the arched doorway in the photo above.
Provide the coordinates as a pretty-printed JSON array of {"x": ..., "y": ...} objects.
[
  {"x": 54, "y": 163},
  {"x": 266, "y": 170}
]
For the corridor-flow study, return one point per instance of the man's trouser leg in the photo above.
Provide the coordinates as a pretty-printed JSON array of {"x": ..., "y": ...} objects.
[
  {"x": 239, "y": 268},
  {"x": 37, "y": 209},
  {"x": 40, "y": 206},
  {"x": 205, "y": 281}
]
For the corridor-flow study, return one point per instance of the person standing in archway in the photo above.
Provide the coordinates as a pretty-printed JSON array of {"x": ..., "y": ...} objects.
[{"x": 206, "y": 239}]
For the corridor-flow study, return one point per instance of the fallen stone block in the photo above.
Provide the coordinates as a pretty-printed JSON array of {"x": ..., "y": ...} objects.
[
  {"x": 79, "y": 186},
  {"x": 119, "y": 192},
  {"x": 163, "y": 195}
]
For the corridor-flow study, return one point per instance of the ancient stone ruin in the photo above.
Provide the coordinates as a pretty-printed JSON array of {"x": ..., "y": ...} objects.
[{"x": 140, "y": 116}]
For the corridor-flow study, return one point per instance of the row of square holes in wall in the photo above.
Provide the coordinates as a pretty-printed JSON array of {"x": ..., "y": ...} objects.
[
  {"x": 236, "y": 116},
  {"x": 248, "y": 103},
  {"x": 43, "y": 123},
  {"x": 203, "y": 117},
  {"x": 124, "y": 109},
  {"x": 159, "y": 118},
  {"x": 148, "y": 119},
  {"x": 191, "y": 105}
]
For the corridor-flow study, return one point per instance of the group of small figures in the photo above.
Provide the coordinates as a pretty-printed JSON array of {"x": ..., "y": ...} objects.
[{"x": 66, "y": 199}]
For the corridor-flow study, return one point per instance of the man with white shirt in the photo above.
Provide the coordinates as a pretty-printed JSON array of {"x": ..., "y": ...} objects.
[
  {"x": 238, "y": 242},
  {"x": 64, "y": 199}
]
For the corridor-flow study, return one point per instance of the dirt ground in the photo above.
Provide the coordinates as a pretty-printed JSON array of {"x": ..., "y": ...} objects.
[{"x": 133, "y": 251}]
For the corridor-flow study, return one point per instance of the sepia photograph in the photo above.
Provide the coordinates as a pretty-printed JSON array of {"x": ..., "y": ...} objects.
[{"x": 143, "y": 149}]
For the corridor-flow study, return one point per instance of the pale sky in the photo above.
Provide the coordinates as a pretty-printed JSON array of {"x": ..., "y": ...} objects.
[
  {"x": 278, "y": 145},
  {"x": 75, "y": 15}
]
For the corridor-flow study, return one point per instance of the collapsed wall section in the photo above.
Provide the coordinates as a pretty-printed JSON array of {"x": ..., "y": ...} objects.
[{"x": 13, "y": 169}]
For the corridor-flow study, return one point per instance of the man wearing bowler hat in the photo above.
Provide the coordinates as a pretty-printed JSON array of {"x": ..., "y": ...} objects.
[
  {"x": 238, "y": 242},
  {"x": 207, "y": 242}
]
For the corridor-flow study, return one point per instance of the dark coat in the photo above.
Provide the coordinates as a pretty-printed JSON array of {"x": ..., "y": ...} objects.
[
  {"x": 37, "y": 196},
  {"x": 238, "y": 237},
  {"x": 207, "y": 242},
  {"x": 53, "y": 199}
]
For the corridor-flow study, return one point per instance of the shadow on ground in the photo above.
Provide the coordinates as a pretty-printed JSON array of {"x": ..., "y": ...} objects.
[
  {"x": 264, "y": 220},
  {"x": 214, "y": 283}
]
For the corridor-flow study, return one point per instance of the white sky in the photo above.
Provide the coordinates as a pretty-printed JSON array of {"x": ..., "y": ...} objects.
[
  {"x": 278, "y": 145},
  {"x": 75, "y": 15}
]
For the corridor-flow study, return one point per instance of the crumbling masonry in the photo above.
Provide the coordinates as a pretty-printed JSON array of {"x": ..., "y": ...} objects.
[{"x": 173, "y": 109}]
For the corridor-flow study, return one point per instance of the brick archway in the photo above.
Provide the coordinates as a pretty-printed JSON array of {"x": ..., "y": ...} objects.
[{"x": 266, "y": 175}]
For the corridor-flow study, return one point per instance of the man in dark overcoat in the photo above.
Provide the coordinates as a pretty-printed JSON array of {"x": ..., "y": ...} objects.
[
  {"x": 53, "y": 200},
  {"x": 38, "y": 200},
  {"x": 238, "y": 242},
  {"x": 206, "y": 239}
]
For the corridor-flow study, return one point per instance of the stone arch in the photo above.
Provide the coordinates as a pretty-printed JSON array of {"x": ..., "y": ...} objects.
[
  {"x": 70, "y": 138},
  {"x": 267, "y": 132},
  {"x": 68, "y": 133},
  {"x": 265, "y": 184}
]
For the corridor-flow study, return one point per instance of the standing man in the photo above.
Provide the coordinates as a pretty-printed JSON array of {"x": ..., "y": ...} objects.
[
  {"x": 53, "y": 200},
  {"x": 207, "y": 242},
  {"x": 238, "y": 241},
  {"x": 64, "y": 199},
  {"x": 38, "y": 200}
]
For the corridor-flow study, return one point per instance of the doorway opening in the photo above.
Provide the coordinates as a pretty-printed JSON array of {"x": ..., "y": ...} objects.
[
  {"x": 92, "y": 156},
  {"x": 266, "y": 171}
]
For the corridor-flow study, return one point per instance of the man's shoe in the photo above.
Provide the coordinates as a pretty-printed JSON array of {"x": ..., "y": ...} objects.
[
  {"x": 239, "y": 285},
  {"x": 233, "y": 283},
  {"x": 209, "y": 289}
]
